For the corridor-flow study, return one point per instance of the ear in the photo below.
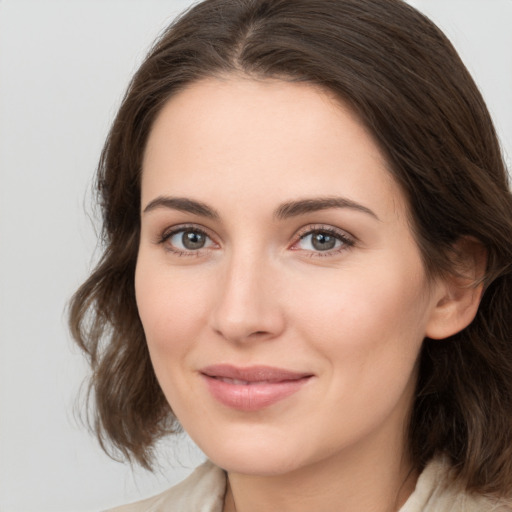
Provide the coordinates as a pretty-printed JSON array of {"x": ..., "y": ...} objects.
[{"x": 458, "y": 294}]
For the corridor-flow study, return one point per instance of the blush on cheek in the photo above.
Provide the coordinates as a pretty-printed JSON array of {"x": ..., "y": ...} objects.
[{"x": 373, "y": 310}]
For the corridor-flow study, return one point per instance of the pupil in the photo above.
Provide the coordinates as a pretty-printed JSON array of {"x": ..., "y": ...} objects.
[
  {"x": 323, "y": 242},
  {"x": 193, "y": 240}
]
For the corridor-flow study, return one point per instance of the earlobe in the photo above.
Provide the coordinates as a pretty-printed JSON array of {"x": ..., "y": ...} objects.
[{"x": 458, "y": 294}]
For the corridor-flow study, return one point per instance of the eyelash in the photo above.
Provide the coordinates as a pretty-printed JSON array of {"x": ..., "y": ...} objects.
[
  {"x": 347, "y": 241},
  {"x": 182, "y": 228}
]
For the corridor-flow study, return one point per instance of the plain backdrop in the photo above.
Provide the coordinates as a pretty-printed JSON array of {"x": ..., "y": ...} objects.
[{"x": 64, "y": 65}]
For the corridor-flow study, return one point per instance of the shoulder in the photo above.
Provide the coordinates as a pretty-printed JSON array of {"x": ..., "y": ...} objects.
[
  {"x": 202, "y": 491},
  {"x": 433, "y": 495}
]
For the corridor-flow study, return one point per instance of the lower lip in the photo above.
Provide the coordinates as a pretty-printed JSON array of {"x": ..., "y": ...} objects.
[{"x": 254, "y": 396}]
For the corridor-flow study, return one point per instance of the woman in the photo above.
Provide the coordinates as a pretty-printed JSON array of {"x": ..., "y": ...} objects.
[{"x": 307, "y": 266}]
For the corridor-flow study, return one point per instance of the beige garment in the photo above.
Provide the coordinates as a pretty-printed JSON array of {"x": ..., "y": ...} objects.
[{"x": 203, "y": 491}]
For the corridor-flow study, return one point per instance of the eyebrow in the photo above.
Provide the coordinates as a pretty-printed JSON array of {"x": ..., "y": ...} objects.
[
  {"x": 303, "y": 206},
  {"x": 284, "y": 211},
  {"x": 182, "y": 204}
]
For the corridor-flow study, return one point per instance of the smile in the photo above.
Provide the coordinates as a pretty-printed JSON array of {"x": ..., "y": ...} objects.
[{"x": 252, "y": 388}]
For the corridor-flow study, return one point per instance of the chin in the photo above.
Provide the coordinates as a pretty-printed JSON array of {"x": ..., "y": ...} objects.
[
  {"x": 255, "y": 453},
  {"x": 257, "y": 464}
]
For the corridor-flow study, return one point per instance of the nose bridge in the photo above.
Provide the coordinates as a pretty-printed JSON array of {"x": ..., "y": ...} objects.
[{"x": 247, "y": 305}]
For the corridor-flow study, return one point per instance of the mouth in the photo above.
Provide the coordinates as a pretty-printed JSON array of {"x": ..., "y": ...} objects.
[{"x": 252, "y": 388}]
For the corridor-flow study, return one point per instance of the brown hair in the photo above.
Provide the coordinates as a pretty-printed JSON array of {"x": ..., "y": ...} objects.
[{"x": 405, "y": 81}]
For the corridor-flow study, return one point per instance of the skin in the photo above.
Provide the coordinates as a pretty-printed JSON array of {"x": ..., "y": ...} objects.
[{"x": 260, "y": 292}]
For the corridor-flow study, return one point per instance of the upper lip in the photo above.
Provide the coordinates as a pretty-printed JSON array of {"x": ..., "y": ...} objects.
[{"x": 258, "y": 373}]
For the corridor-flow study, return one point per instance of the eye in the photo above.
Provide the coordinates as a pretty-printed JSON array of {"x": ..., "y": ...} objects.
[
  {"x": 186, "y": 240},
  {"x": 323, "y": 240}
]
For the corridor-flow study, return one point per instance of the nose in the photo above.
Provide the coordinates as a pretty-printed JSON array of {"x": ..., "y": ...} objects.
[{"x": 248, "y": 306}]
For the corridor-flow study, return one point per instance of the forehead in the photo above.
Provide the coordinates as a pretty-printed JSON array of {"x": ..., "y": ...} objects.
[{"x": 270, "y": 138}]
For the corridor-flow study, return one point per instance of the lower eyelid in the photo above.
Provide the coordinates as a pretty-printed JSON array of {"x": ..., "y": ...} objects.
[
  {"x": 346, "y": 241},
  {"x": 163, "y": 238},
  {"x": 169, "y": 232},
  {"x": 342, "y": 236}
]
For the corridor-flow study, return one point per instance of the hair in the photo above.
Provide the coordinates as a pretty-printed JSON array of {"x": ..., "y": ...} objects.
[{"x": 404, "y": 80}]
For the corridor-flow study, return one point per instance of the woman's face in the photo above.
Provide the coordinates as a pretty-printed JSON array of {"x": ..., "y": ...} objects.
[{"x": 281, "y": 292}]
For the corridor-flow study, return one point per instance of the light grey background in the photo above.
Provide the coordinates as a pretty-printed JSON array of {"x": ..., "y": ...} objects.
[{"x": 64, "y": 65}]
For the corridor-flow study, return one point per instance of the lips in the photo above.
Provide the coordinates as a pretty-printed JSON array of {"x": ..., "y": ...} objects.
[{"x": 252, "y": 388}]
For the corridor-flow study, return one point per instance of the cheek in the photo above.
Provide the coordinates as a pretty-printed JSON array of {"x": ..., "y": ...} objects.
[
  {"x": 169, "y": 307},
  {"x": 369, "y": 332},
  {"x": 368, "y": 316},
  {"x": 170, "y": 312}
]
